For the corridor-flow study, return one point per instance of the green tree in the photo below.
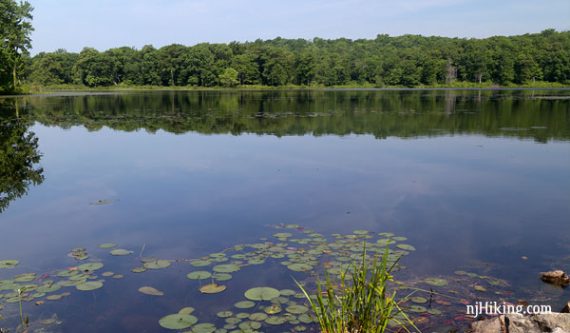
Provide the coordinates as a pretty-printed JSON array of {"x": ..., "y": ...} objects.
[
  {"x": 229, "y": 78},
  {"x": 15, "y": 30}
]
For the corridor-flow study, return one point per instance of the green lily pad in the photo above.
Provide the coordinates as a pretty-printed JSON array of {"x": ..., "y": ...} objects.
[
  {"x": 418, "y": 309},
  {"x": 224, "y": 314},
  {"x": 283, "y": 235},
  {"x": 277, "y": 320},
  {"x": 479, "y": 287},
  {"x": 261, "y": 294},
  {"x": 186, "y": 311},
  {"x": 107, "y": 245},
  {"x": 222, "y": 276},
  {"x": 27, "y": 277},
  {"x": 150, "y": 291},
  {"x": 360, "y": 232},
  {"x": 92, "y": 266},
  {"x": 419, "y": 300},
  {"x": 177, "y": 321},
  {"x": 121, "y": 252},
  {"x": 89, "y": 285},
  {"x": 297, "y": 309},
  {"x": 273, "y": 309},
  {"x": 299, "y": 267},
  {"x": 226, "y": 268},
  {"x": 138, "y": 270},
  {"x": 258, "y": 316},
  {"x": 244, "y": 305},
  {"x": 204, "y": 328},
  {"x": 157, "y": 264},
  {"x": 212, "y": 288},
  {"x": 249, "y": 326},
  {"x": 8, "y": 263},
  {"x": 199, "y": 275},
  {"x": 406, "y": 247},
  {"x": 437, "y": 282}
]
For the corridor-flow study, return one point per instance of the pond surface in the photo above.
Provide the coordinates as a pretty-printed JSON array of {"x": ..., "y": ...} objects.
[{"x": 477, "y": 181}]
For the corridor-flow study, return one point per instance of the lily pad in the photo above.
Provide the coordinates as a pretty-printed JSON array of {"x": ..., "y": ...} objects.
[
  {"x": 283, "y": 235},
  {"x": 244, "y": 305},
  {"x": 277, "y": 320},
  {"x": 204, "y": 328},
  {"x": 224, "y": 314},
  {"x": 419, "y": 300},
  {"x": 273, "y": 309},
  {"x": 89, "y": 285},
  {"x": 300, "y": 267},
  {"x": 8, "y": 263},
  {"x": 199, "y": 275},
  {"x": 177, "y": 321},
  {"x": 186, "y": 311},
  {"x": 406, "y": 247},
  {"x": 258, "y": 316},
  {"x": 151, "y": 291},
  {"x": 157, "y": 264},
  {"x": 226, "y": 268},
  {"x": 121, "y": 252},
  {"x": 107, "y": 245},
  {"x": 138, "y": 270},
  {"x": 479, "y": 287},
  {"x": 437, "y": 282},
  {"x": 92, "y": 266},
  {"x": 261, "y": 294},
  {"x": 212, "y": 288},
  {"x": 418, "y": 309},
  {"x": 222, "y": 276},
  {"x": 297, "y": 309}
]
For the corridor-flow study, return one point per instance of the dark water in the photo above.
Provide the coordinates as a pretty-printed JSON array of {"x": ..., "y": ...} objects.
[{"x": 474, "y": 179}]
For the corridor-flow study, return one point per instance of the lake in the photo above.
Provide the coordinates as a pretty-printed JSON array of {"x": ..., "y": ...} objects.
[{"x": 472, "y": 186}]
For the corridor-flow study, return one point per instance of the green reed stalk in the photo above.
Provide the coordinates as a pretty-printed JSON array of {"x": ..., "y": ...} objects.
[{"x": 362, "y": 303}]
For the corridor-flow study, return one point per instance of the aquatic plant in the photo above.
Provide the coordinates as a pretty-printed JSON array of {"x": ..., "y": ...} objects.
[{"x": 359, "y": 303}]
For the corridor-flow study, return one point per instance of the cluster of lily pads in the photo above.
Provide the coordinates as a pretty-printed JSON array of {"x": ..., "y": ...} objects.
[{"x": 305, "y": 253}]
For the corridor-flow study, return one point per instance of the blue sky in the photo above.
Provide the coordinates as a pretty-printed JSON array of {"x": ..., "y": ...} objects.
[{"x": 73, "y": 24}]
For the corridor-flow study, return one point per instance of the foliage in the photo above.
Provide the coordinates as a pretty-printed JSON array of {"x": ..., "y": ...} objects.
[
  {"x": 15, "y": 30},
  {"x": 361, "y": 303},
  {"x": 403, "y": 61},
  {"x": 18, "y": 158}
]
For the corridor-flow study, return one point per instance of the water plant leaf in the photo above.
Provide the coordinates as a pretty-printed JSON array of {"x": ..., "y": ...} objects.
[
  {"x": 150, "y": 291},
  {"x": 89, "y": 285},
  {"x": 437, "y": 282},
  {"x": 186, "y": 310},
  {"x": 222, "y": 277},
  {"x": 406, "y": 247},
  {"x": 107, "y": 245},
  {"x": 479, "y": 287},
  {"x": 89, "y": 267},
  {"x": 297, "y": 309},
  {"x": 204, "y": 328},
  {"x": 244, "y": 304},
  {"x": 261, "y": 294},
  {"x": 157, "y": 264},
  {"x": 212, "y": 288},
  {"x": 419, "y": 300},
  {"x": 258, "y": 316},
  {"x": 224, "y": 314},
  {"x": 226, "y": 268},
  {"x": 276, "y": 320},
  {"x": 120, "y": 252},
  {"x": 273, "y": 309},
  {"x": 138, "y": 270},
  {"x": 283, "y": 235},
  {"x": 300, "y": 267},
  {"x": 177, "y": 321},
  {"x": 8, "y": 263},
  {"x": 199, "y": 275}
]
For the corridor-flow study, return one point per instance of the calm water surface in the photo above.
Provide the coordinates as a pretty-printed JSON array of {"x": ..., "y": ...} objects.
[{"x": 475, "y": 180}]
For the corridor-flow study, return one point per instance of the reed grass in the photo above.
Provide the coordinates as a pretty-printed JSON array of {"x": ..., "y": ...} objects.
[{"x": 360, "y": 301}]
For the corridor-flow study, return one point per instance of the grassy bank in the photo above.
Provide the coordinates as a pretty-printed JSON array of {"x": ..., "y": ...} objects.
[{"x": 38, "y": 89}]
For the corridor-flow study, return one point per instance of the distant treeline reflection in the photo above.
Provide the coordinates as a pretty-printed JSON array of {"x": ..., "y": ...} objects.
[{"x": 538, "y": 115}]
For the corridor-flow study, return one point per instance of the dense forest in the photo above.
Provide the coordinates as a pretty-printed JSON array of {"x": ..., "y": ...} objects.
[{"x": 409, "y": 60}]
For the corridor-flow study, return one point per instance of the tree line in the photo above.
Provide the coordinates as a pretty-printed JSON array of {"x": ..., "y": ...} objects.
[{"x": 409, "y": 60}]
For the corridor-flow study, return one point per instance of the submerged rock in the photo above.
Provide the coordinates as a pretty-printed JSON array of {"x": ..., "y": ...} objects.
[
  {"x": 557, "y": 277},
  {"x": 517, "y": 323}
]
